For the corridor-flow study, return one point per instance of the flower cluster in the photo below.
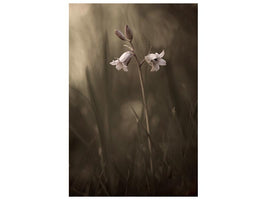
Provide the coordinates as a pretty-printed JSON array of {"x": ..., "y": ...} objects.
[{"x": 155, "y": 60}]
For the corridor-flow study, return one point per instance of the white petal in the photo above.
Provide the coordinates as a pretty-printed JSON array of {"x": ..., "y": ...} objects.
[
  {"x": 162, "y": 54},
  {"x": 114, "y": 62},
  {"x": 155, "y": 68},
  {"x": 125, "y": 69},
  {"x": 127, "y": 61},
  {"x": 162, "y": 62},
  {"x": 150, "y": 57},
  {"x": 126, "y": 55},
  {"x": 119, "y": 66},
  {"x": 150, "y": 63}
]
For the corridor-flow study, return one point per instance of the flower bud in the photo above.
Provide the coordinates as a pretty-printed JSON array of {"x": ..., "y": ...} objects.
[
  {"x": 128, "y": 33},
  {"x": 120, "y": 35}
]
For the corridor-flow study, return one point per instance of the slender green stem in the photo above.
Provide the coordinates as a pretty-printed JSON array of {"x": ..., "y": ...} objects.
[{"x": 139, "y": 64}]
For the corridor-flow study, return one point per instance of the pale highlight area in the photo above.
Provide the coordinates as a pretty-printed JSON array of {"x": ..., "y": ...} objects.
[{"x": 88, "y": 31}]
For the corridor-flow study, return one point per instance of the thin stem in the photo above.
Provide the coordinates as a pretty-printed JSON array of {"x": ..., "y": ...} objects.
[
  {"x": 142, "y": 62},
  {"x": 139, "y": 64}
]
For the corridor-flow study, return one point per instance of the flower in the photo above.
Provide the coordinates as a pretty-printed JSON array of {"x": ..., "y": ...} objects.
[
  {"x": 155, "y": 60},
  {"x": 123, "y": 61}
]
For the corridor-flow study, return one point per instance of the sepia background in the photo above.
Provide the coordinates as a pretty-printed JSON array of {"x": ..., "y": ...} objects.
[{"x": 108, "y": 152}]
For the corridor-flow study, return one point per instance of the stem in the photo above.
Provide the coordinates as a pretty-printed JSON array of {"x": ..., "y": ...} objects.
[{"x": 139, "y": 64}]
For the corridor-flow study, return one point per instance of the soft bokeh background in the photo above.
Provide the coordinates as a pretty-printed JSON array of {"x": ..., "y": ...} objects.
[{"x": 107, "y": 147}]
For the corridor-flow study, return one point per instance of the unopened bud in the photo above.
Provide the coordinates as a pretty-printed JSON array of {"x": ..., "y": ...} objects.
[
  {"x": 128, "y": 33},
  {"x": 120, "y": 35}
]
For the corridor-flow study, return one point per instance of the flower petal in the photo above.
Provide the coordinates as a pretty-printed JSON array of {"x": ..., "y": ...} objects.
[
  {"x": 119, "y": 66},
  {"x": 114, "y": 62},
  {"x": 125, "y": 68},
  {"x": 126, "y": 55},
  {"x": 162, "y": 54},
  {"x": 155, "y": 68},
  {"x": 150, "y": 57},
  {"x": 162, "y": 62},
  {"x": 127, "y": 61}
]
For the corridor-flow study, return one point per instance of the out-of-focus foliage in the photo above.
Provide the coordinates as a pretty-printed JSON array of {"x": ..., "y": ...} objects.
[{"x": 108, "y": 152}]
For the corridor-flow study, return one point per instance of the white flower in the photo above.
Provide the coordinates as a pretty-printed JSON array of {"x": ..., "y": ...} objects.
[
  {"x": 123, "y": 61},
  {"x": 155, "y": 60}
]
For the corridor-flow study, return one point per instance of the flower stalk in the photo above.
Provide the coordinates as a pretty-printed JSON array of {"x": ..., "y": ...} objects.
[
  {"x": 155, "y": 60},
  {"x": 139, "y": 65}
]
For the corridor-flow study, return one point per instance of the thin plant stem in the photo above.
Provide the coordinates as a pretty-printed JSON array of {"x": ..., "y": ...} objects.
[{"x": 139, "y": 65}]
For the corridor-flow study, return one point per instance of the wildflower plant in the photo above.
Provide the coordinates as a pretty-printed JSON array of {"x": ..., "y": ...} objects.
[{"x": 155, "y": 60}]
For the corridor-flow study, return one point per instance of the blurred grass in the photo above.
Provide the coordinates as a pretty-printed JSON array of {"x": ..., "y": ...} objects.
[{"x": 108, "y": 152}]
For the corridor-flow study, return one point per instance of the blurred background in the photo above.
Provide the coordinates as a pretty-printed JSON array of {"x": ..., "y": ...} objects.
[{"x": 108, "y": 153}]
